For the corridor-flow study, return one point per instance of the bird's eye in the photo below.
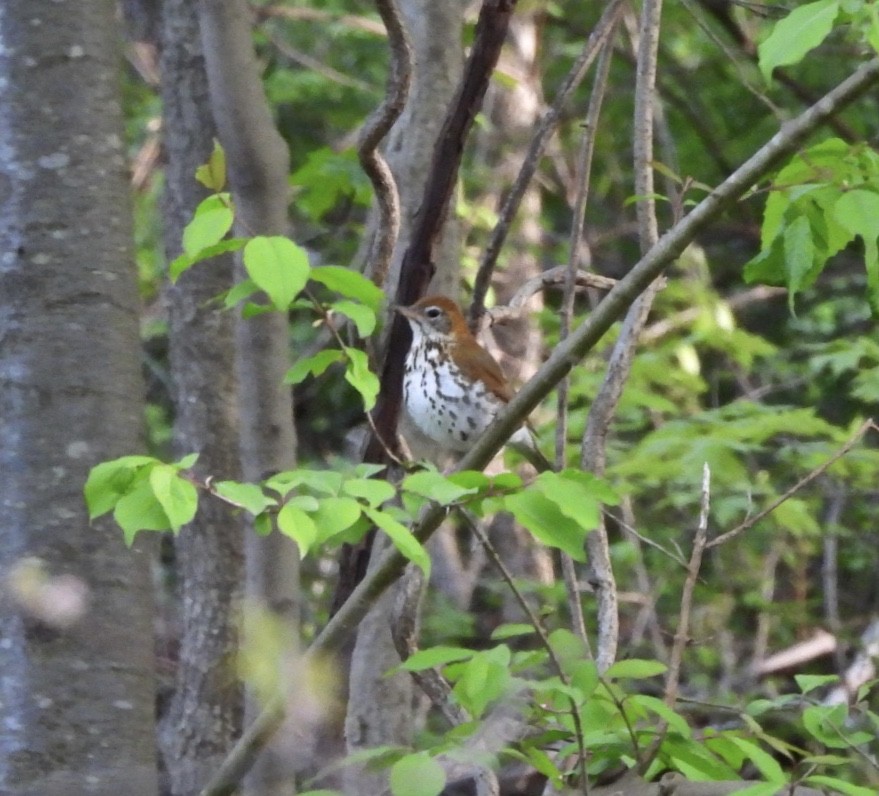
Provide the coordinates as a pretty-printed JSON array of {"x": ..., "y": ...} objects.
[{"x": 433, "y": 312}]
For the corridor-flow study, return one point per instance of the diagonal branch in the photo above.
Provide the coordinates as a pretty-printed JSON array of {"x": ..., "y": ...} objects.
[
  {"x": 562, "y": 360},
  {"x": 545, "y": 128}
]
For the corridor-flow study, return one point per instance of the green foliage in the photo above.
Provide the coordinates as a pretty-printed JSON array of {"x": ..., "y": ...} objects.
[
  {"x": 143, "y": 493},
  {"x": 825, "y": 198},
  {"x": 326, "y": 178},
  {"x": 798, "y": 33},
  {"x": 278, "y": 266}
]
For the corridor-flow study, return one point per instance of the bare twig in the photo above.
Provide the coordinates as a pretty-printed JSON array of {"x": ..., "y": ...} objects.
[
  {"x": 682, "y": 635},
  {"x": 603, "y": 409},
  {"x": 551, "y": 278},
  {"x": 545, "y": 128},
  {"x": 855, "y": 438},
  {"x": 643, "y": 579},
  {"x": 374, "y": 130},
  {"x": 584, "y": 170},
  {"x": 562, "y": 359}
]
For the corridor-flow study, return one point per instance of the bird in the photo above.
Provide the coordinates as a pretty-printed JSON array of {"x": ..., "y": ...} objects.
[{"x": 453, "y": 388}]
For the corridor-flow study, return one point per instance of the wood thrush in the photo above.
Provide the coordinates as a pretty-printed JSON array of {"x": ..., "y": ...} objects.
[{"x": 453, "y": 388}]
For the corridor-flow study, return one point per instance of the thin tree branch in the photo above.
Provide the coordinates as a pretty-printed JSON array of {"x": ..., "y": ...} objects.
[
  {"x": 603, "y": 409},
  {"x": 752, "y": 521},
  {"x": 373, "y": 132},
  {"x": 584, "y": 171},
  {"x": 545, "y": 128},
  {"x": 560, "y": 362},
  {"x": 682, "y": 635}
]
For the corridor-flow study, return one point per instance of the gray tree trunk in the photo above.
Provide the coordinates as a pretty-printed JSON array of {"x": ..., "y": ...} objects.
[
  {"x": 380, "y": 708},
  {"x": 76, "y": 656},
  {"x": 258, "y": 167},
  {"x": 205, "y": 713}
]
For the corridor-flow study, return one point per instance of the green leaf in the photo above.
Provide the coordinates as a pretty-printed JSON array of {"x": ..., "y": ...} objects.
[
  {"x": 435, "y": 486},
  {"x": 809, "y": 682},
  {"x": 792, "y": 37},
  {"x": 139, "y": 510},
  {"x": 109, "y": 481},
  {"x": 361, "y": 378},
  {"x": 483, "y": 679},
  {"x": 185, "y": 261},
  {"x": 349, "y": 283},
  {"x": 239, "y": 292},
  {"x": 675, "y": 721},
  {"x": 858, "y": 210},
  {"x": 799, "y": 257},
  {"x": 212, "y": 174},
  {"x": 511, "y": 630},
  {"x": 839, "y": 786},
  {"x": 435, "y": 656},
  {"x": 314, "y": 365},
  {"x": 362, "y": 316},
  {"x": 417, "y": 775},
  {"x": 326, "y": 482},
  {"x": 635, "y": 669},
  {"x": 249, "y": 496},
  {"x": 372, "y": 490},
  {"x": 299, "y": 526},
  {"x": 187, "y": 461},
  {"x": 765, "y": 763},
  {"x": 402, "y": 539},
  {"x": 177, "y": 497},
  {"x": 278, "y": 266},
  {"x": 545, "y": 520},
  {"x": 212, "y": 220},
  {"x": 334, "y": 515}
]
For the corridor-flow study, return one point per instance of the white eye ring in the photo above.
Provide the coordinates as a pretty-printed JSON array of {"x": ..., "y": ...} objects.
[{"x": 433, "y": 312}]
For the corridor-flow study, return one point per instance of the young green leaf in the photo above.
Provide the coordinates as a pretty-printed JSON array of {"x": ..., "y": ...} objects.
[
  {"x": 212, "y": 174},
  {"x": 249, "y": 496},
  {"x": 402, "y": 539},
  {"x": 635, "y": 669},
  {"x": 361, "y": 378},
  {"x": 109, "y": 481},
  {"x": 435, "y": 486},
  {"x": 349, "y": 283},
  {"x": 417, "y": 775},
  {"x": 545, "y": 520},
  {"x": 362, "y": 316},
  {"x": 278, "y": 266},
  {"x": 435, "y": 656},
  {"x": 792, "y": 37},
  {"x": 139, "y": 510},
  {"x": 371, "y": 490},
  {"x": 212, "y": 220},
  {"x": 185, "y": 261},
  {"x": 299, "y": 526},
  {"x": 314, "y": 365},
  {"x": 177, "y": 496},
  {"x": 334, "y": 515}
]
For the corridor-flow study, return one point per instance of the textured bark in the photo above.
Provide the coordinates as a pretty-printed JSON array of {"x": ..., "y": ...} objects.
[
  {"x": 258, "y": 165},
  {"x": 205, "y": 713},
  {"x": 76, "y": 695},
  {"x": 380, "y": 708}
]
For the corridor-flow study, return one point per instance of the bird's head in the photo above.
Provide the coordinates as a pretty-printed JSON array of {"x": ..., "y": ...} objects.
[{"x": 435, "y": 318}]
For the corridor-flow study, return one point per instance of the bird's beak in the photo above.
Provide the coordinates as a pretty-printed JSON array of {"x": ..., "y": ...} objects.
[{"x": 406, "y": 312}]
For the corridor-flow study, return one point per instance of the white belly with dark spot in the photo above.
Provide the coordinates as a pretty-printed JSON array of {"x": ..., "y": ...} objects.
[{"x": 444, "y": 407}]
